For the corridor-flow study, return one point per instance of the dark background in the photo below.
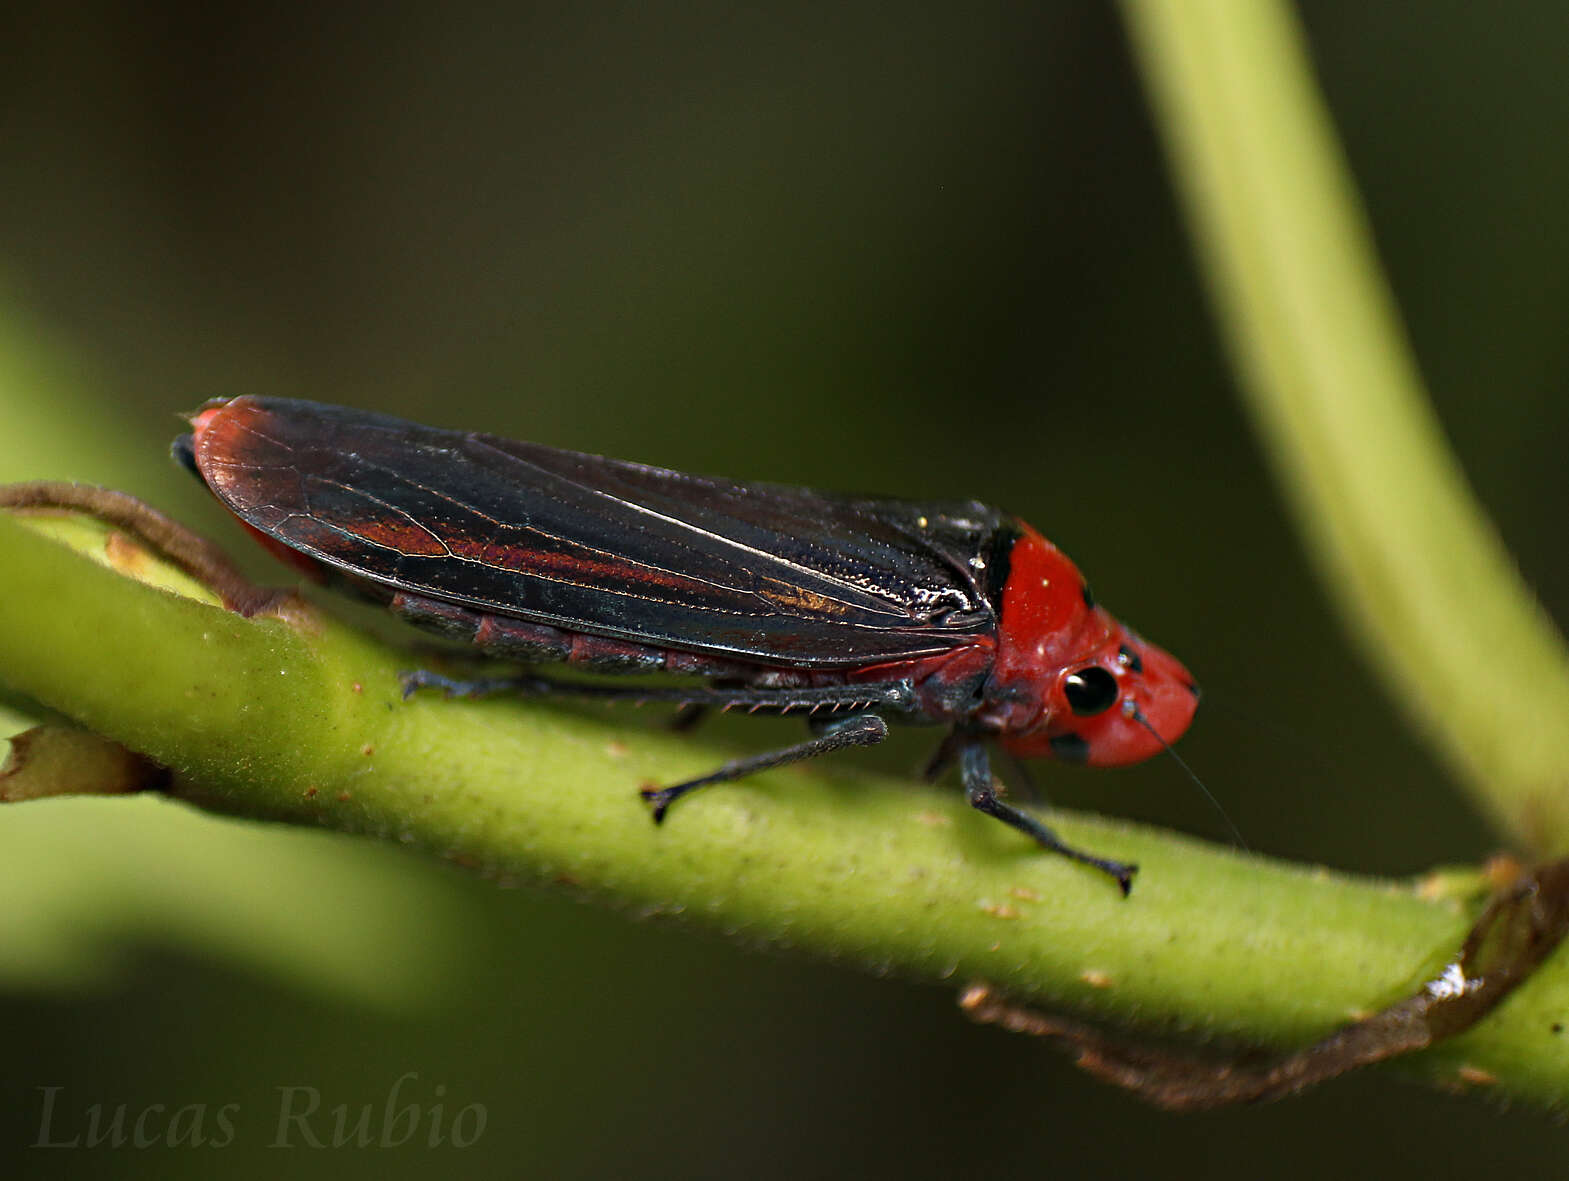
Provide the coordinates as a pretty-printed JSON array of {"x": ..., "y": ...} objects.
[{"x": 908, "y": 249}]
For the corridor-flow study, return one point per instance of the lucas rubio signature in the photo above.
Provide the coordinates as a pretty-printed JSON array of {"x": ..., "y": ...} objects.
[{"x": 297, "y": 1120}]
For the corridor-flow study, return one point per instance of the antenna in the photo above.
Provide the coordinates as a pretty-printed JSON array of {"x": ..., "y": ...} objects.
[{"x": 1138, "y": 716}]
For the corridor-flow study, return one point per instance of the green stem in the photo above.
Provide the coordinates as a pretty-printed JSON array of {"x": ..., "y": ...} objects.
[
  {"x": 1409, "y": 557},
  {"x": 299, "y": 718}
]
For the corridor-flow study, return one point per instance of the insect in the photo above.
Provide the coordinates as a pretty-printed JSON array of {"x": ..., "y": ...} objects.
[{"x": 852, "y": 610}]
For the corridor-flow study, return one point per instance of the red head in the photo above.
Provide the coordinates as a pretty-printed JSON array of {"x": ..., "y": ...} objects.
[{"x": 1071, "y": 681}]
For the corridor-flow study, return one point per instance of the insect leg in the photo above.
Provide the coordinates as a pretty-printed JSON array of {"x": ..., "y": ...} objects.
[
  {"x": 688, "y": 717},
  {"x": 980, "y": 790},
  {"x": 424, "y": 678},
  {"x": 945, "y": 754},
  {"x": 896, "y": 695},
  {"x": 1021, "y": 783},
  {"x": 859, "y": 730}
]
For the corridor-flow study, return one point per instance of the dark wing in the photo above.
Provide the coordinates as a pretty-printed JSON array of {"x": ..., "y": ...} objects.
[{"x": 760, "y": 572}]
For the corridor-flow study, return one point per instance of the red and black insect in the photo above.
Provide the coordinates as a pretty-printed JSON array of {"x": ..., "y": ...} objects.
[{"x": 852, "y": 609}]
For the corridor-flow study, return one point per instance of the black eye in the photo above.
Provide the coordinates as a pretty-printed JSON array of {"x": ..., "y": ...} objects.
[{"x": 1090, "y": 691}]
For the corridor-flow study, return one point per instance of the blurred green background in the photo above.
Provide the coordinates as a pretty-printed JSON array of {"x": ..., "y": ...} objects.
[{"x": 915, "y": 250}]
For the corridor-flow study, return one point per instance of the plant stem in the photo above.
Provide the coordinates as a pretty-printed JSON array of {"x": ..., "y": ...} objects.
[{"x": 298, "y": 718}]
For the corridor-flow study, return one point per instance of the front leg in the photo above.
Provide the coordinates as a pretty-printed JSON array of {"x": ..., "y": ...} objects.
[{"x": 980, "y": 789}]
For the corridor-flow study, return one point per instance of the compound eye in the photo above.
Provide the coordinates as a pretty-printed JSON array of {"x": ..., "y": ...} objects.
[{"x": 1090, "y": 691}]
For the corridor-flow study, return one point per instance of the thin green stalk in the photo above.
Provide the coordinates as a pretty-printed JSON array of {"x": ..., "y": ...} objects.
[{"x": 1409, "y": 557}]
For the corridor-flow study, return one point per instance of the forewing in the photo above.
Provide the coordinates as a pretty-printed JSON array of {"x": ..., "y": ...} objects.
[{"x": 760, "y": 572}]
